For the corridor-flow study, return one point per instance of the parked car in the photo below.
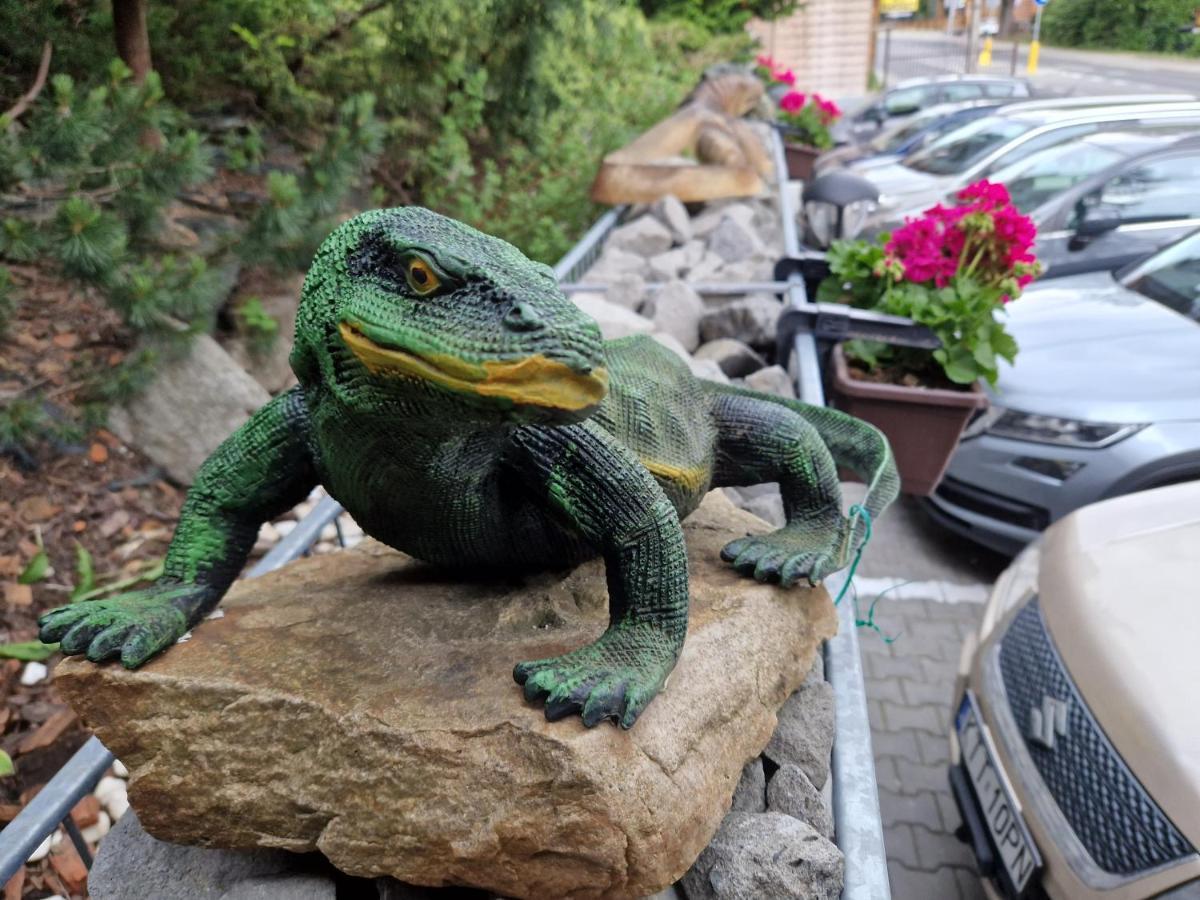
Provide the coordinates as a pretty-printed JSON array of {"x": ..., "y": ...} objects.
[
  {"x": 1103, "y": 400},
  {"x": 910, "y": 97},
  {"x": 1121, "y": 213},
  {"x": 908, "y": 135},
  {"x": 1075, "y": 744},
  {"x": 984, "y": 147}
]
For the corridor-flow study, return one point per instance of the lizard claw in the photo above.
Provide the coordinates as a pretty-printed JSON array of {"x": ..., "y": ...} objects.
[
  {"x": 614, "y": 678},
  {"x": 133, "y": 626},
  {"x": 793, "y": 552}
]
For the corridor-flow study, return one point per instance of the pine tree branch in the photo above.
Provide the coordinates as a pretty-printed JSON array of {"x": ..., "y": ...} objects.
[
  {"x": 39, "y": 82},
  {"x": 336, "y": 32}
]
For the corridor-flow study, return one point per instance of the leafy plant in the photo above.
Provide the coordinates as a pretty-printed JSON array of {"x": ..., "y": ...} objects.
[
  {"x": 807, "y": 117},
  {"x": 951, "y": 269},
  {"x": 28, "y": 651},
  {"x": 259, "y": 326},
  {"x": 85, "y": 573}
]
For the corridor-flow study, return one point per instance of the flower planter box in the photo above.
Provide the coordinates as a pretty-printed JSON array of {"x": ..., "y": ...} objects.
[
  {"x": 801, "y": 160},
  {"x": 922, "y": 424}
]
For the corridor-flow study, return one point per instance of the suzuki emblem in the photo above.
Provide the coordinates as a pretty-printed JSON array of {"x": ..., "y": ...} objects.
[{"x": 1048, "y": 721}]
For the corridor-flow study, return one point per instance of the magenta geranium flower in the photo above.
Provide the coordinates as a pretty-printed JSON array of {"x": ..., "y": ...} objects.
[
  {"x": 792, "y": 102},
  {"x": 784, "y": 76}
]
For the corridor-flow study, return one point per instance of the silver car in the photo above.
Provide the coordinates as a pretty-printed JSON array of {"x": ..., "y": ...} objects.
[
  {"x": 1103, "y": 400},
  {"x": 983, "y": 148}
]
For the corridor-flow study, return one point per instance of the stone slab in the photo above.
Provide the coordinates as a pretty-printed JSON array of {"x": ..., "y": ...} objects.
[{"x": 362, "y": 704}]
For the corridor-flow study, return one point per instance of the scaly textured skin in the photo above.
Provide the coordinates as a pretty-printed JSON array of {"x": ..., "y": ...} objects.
[{"x": 465, "y": 412}]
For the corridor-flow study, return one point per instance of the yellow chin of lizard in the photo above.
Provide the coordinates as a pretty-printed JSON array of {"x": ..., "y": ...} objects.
[{"x": 532, "y": 381}]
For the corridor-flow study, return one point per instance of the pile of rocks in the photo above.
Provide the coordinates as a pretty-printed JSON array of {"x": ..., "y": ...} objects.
[
  {"x": 651, "y": 275},
  {"x": 777, "y": 840}
]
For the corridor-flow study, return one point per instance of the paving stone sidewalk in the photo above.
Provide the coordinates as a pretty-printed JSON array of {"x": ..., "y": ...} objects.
[{"x": 910, "y": 687}]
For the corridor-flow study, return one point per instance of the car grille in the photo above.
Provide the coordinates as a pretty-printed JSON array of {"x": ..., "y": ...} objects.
[{"x": 1122, "y": 829}]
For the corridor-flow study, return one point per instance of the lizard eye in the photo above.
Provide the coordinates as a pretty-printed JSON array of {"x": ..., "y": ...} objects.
[{"x": 421, "y": 277}]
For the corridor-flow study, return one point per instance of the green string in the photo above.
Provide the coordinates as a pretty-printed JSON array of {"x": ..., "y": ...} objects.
[
  {"x": 856, "y": 510},
  {"x": 869, "y": 622}
]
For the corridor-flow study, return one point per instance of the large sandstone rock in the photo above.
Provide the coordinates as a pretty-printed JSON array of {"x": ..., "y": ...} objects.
[
  {"x": 362, "y": 704},
  {"x": 193, "y": 403}
]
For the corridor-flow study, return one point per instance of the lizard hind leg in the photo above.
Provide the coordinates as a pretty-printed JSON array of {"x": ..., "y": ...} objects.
[{"x": 760, "y": 441}]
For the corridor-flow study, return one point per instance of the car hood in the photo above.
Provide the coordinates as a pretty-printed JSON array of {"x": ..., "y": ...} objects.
[
  {"x": 902, "y": 192},
  {"x": 1115, "y": 588},
  {"x": 1091, "y": 349}
]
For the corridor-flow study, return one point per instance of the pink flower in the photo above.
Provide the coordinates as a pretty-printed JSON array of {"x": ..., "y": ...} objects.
[
  {"x": 765, "y": 61},
  {"x": 991, "y": 194},
  {"x": 792, "y": 102},
  {"x": 829, "y": 111},
  {"x": 784, "y": 76}
]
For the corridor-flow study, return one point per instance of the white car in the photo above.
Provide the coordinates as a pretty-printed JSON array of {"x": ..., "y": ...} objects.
[{"x": 1075, "y": 744}]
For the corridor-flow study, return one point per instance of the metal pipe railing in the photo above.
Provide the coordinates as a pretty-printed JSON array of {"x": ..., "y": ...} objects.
[{"x": 858, "y": 826}]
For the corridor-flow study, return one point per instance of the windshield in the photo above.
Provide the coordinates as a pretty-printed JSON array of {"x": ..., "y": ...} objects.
[
  {"x": 1034, "y": 180},
  {"x": 957, "y": 151},
  {"x": 1172, "y": 277}
]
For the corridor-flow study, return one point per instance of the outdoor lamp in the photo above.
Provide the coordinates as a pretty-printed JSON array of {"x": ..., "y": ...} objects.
[{"x": 837, "y": 205}]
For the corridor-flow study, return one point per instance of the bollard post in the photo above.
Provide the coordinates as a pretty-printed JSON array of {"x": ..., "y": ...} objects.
[
  {"x": 985, "y": 55},
  {"x": 1035, "y": 46},
  {"x": 1012, "y": 62}
]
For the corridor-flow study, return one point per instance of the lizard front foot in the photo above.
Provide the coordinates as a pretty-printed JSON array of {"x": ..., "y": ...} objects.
[
  {"x": 813, "y": 550},
  {"x": 613, "y": 678},
  {"x": 134, "y": 626}
]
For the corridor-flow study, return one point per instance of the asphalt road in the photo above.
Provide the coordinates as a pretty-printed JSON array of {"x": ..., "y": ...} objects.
[{"x": 916, "y": 54}]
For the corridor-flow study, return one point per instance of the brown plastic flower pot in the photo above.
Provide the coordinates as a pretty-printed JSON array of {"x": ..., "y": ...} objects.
[
  {"x": 801, "y": 160},
  {"x": 922, "y": 424}
]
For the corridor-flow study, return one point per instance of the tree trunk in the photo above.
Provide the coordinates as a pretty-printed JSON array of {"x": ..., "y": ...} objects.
[{"x": 133, "y": 41}]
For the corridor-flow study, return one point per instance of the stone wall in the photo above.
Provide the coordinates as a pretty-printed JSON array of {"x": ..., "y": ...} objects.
[{"x": 827, "y": 43}]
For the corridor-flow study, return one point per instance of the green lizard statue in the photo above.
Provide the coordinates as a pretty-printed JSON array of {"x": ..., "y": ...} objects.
[{"x": 463, "y": 410}]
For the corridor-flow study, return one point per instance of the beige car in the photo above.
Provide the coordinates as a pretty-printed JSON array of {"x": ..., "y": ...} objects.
[{"x": 1075, "y": 745}]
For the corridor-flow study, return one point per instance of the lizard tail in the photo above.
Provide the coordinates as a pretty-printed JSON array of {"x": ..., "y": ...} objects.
[{"x": 854, "y": 444}]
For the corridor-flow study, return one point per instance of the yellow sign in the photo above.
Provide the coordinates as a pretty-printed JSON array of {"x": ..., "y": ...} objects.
[{"x": 899, "y": 7}]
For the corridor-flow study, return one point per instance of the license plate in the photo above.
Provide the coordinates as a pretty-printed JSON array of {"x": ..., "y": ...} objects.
[{"x": 1017, "y": 854}]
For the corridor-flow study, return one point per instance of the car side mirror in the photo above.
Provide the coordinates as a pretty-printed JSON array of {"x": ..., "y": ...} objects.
[{"x": 1094, "y": 222}]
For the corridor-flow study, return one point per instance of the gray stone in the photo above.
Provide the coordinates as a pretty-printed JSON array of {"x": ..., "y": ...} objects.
[
  {"x": 676, "y": 309},
  {"x": 735, "y": 358},
  {"x": 191, "y": 406},
  {"x": 614, "y": 321},
  {"x": 751, "y": 319},
  {"x": 766, "y": 856},
  {"x": 645, "y": 236},
  {"x": 732, "y": 241},
  {"x": 706, "y": 269},
  {"x": 708, "y": 370},
  {"x": 755, "y": 267},
  {"x": 132, "y": 865},
  {"x": 669, "y": 265},
  {"x": 791, "y": 793},
  {"x": 614, "y": 262},
  {"x": 708, "y": 221},
  {"x": 671, "y": 212},
  {"x": 804, "y": 735},
  {"x": 673, "y": 345},
  {"x": 768, "y": 507},
  {"x": 772, "y": 380},
  {"x": 283, "y": 887},
  {"x": 693, "y": 252},
  {"x": 628, "y": 290},
  {"x": 750, "y": 795}
]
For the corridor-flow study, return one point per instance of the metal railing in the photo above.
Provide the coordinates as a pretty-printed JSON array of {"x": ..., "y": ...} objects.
[{"x": 858, "y": 827}]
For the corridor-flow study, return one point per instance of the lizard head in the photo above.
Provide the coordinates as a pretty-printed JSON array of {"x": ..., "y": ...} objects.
[{"x": 407, "y": 305}]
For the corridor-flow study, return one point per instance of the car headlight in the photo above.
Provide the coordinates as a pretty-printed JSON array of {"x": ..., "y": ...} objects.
[
  {"x": 1056, "y": 430},
  {"x": 828, "y": 222}
]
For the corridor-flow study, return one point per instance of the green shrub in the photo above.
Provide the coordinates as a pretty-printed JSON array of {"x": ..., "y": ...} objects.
[{"x": 1149, "y": 25}]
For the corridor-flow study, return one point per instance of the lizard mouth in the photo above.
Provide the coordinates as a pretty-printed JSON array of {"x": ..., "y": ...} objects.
[{"x": 534, "y": 380}]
